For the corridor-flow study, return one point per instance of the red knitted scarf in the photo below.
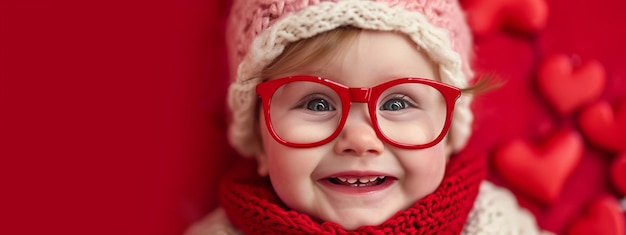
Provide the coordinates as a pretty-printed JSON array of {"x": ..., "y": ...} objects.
[{"x": 252, "y": 206}]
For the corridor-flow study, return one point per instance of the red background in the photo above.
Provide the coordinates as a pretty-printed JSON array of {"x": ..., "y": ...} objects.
[{"x": 112, "y": 113}]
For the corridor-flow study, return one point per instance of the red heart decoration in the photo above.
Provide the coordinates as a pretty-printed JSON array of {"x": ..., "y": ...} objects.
[
  {"x": 603, "y": 216},
  {"x": 488, "y": 16},
  {"x": 618, "y": 173},
  {"x": 540, "y": 170},
  {"x": 567, "y": 88},
  {"x": 603, "y": 127}
]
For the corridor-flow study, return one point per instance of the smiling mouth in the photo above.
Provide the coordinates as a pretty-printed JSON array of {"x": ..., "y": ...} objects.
[{"x": 358, "y": 182}]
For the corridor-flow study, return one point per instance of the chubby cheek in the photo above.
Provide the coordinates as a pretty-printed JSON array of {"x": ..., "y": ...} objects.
[
  {"x": 290, "y": 171},
  {"x": 424, "y": 170},
  {"x": 290, "y": 174}
]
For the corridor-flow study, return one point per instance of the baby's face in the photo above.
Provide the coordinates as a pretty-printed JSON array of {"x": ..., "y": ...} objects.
[{"x": 322, "y": 181}]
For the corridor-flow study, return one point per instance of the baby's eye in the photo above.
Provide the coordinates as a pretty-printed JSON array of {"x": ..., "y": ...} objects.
[
  {"x": 396, "y": 104},
  {"x": 319, "y": 105}
]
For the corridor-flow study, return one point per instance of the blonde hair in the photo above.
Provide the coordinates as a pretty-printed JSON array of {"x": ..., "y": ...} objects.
[
  {"x": 309, "y": 50},
  {"x": 330, "y": 43}
]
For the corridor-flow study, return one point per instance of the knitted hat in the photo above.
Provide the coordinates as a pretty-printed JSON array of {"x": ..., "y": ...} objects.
[{"x": 259, "y": 30}]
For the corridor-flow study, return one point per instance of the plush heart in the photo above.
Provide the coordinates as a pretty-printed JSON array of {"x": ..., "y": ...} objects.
[
  {"x": 603, "y": 127},
  {"x": 603, "y": 216},
  {"x": 540, "y": 170},
  {"x": 487, "y": 16},
  {"x": 618, "y": 173},
  {"x": 568, "y": 87}
]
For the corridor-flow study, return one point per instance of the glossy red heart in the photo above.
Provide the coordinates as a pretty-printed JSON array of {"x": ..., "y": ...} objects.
[
  {"x": 603, "y": 216},
  {"x": 488, "y": 16},
  {"x": 568, "y": 87},
  {"x": 540, "y": 170},
  {"x": 618, "y": 173},
  {"x": 605, "y": 127}
]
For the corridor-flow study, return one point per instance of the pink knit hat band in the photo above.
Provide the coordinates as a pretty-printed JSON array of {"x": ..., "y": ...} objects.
[
  {"x": 259, "y": 30},
  {"x": 249, "y": 18}
]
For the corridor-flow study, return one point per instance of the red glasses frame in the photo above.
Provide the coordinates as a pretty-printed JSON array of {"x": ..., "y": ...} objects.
[{"x": 348, "y": 95}]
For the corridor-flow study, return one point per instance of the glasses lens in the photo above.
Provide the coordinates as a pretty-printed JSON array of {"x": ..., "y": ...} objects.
[
  {"x": 305, "y": 112},
  {"x": 411, "y": 113}
]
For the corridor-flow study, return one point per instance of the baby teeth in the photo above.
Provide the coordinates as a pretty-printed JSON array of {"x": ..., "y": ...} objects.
[
  {"x": 351, "y": 180},
  {"x": 373, "y": 178}
]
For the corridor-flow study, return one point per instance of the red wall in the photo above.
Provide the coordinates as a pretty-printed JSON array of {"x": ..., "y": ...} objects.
[
  {"x": 584, "y": 31},
  {"x": 111, "y": 115}
]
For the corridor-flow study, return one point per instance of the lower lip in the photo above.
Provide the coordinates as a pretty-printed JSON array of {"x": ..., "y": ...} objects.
[{"x": 355, "y": 190}]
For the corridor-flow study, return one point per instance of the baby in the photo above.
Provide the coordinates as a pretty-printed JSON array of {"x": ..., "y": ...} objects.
[{"x": 356, "y": 112}]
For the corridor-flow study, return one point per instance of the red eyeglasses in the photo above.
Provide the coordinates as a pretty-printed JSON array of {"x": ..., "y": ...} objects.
[{"x": 308, "y": 111}]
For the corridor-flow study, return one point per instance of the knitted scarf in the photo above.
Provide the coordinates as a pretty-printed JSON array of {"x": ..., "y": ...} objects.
[{"x": 253, "y": 207}]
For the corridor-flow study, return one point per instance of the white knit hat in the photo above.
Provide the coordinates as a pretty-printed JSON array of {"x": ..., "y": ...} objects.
[{"x": 259, "y": 30}]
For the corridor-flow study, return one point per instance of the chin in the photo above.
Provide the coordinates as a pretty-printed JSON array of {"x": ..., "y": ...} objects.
[{"x": 353, "y": 224}]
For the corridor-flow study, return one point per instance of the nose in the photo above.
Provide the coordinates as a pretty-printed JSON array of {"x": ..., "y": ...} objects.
[{"x": 358, "y": 137}]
